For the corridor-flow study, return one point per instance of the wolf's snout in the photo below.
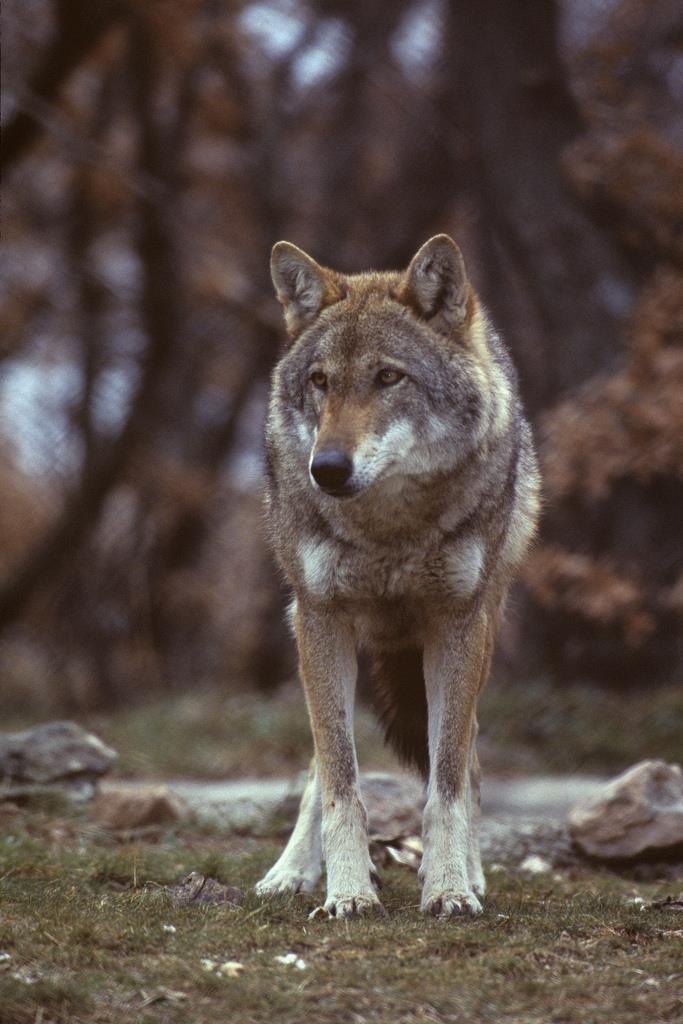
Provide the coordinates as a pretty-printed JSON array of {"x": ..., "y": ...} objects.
[{"x": 331, "y": 469}]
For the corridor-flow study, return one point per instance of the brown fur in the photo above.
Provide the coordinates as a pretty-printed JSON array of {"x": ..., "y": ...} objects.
[{"x": 399, "y": 382}]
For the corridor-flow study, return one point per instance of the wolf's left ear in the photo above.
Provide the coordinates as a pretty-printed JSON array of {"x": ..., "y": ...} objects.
[
  {"x": 303, "y": 287},
  {"x": 436, "y": 284}
]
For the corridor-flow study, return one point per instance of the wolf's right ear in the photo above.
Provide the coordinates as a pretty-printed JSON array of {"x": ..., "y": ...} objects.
[{"x": 302, "y": 286}]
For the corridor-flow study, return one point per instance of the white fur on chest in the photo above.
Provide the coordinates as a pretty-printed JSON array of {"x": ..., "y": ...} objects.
[
  {"x": 319, "y": 560},
  {"x": 332, "y": 570}
]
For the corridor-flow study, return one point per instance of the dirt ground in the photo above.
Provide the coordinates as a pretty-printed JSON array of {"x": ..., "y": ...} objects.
[{"x": 91, "y": 931}]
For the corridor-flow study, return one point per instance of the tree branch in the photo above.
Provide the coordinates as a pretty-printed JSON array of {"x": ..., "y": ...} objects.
[{"x": 79, "y": 28}]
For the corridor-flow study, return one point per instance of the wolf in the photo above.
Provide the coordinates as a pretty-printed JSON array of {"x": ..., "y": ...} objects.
[{"x": 402, "y": 495}]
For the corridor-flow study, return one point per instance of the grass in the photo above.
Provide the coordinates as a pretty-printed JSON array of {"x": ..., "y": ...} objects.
[
  {"x": 86, "y": 923},
  {"x": 545, "y": 727},
  {"x": 93, "y": 935},
  {"x": 537, "y": 727},
  {"x": 213, "y": 736}
]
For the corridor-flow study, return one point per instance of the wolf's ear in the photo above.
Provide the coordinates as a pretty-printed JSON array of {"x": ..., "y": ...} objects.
[
  {"x": 436, "y": 284},
  {"x": 302, "y": 286}
]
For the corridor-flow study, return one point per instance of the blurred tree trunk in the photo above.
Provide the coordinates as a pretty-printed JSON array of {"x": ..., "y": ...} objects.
[
  {"x": 161, "y": 316},
  {"x": 512, "y": 88},
  {"x": 79, "y": 27}
]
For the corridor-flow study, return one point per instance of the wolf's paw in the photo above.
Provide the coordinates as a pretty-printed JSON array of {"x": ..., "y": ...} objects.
[
  {"x": 479, "y": 885},
  {"x": 353, "y": 904},
  {"x": 476, "y": 877},
  {"x": 450, "y": 903},
  {"x": 287, "y": 880}
]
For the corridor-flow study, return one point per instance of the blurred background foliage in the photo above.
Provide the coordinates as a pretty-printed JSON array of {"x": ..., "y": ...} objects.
[{"x": 153, "y": 152}]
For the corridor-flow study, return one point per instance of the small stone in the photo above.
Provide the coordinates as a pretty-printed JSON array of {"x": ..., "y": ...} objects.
[
  {"x": 641, "y": 810},
  {"x": 669, "y": 903},
  {"x": 230, "y": 969},
  {"x": 126, "y": 808},
  {"x": 161, "y": 995},
  {"x": 291, "y": 960},
  {"x": 170, "y": 928},
  {"x": 57, "y": 752},
  {"x": 535, "y": 865},
  {"x": 198, "y": 888}
]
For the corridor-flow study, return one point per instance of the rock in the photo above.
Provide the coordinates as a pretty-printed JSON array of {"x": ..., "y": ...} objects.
[
  {"x": 394, "y": 803},
  {"x": 197, "y": 888},
  {"x": 535, "y": 865},
  {"x": 509, "y": 840},
  {"x": 230, "y": 969},
  {"x": 669, "y": 903},
  {"x": 130, "y": 808},
  {"x": 291, "y": 960},
  {"x": 57, "y": 753},
  {"x": 640, "y": 811}
]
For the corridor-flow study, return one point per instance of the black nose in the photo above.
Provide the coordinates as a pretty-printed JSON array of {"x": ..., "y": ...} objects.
[{"x": 331, "y": 469}]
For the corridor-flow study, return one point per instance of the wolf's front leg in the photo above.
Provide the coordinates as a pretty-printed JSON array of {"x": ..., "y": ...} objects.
[
  {"x": 456, "y": 656},
  {"x": 474, "y": 866},
  {"x": 298, "y": 869},
  {"x": 327, "y": 655}
]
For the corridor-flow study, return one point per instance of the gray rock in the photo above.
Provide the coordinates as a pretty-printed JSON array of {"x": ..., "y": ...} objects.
[
  {"x": 126, "y": 808},
  {"x": 57, "y": 753},
  {"x": 510, "y": 841},
  {"x": 197, "y": 888},
  {"x": 640, "y": 811},
  {"x": 394, "y": 803}
]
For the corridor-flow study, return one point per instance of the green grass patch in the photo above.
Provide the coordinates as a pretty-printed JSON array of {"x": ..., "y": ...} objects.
[
  {"x": 545, "y": 727},
  {"x": 94, "y": 937},
  {"x": 212, "y": 736},
  {"x": 532, "y": 727}
]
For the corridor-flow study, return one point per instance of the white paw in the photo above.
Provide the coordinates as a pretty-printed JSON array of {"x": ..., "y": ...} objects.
[
  {"x": 354, "y": 904},
  {"x": 287, "y": 880},
  {"x": 475, "y": 871},
  {"x": 450, "y": 903},
  {"x": 478, "y": 883}
]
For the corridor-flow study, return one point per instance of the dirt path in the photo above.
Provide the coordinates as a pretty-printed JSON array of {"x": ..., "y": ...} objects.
[
  {"x": 519, "y": 816},
  {"x": 545, "y": 796}
]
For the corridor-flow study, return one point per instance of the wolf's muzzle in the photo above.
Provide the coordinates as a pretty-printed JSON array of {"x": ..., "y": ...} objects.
[{"x": 332, "y": 469}]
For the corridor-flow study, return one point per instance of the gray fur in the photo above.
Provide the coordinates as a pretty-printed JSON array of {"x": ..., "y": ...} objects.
[{"x": 441, "y": 507}]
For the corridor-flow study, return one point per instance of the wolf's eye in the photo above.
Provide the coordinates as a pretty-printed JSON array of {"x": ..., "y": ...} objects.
[
  {"x": 386, "y": 377},
  {"x": 318, "y": 379}
]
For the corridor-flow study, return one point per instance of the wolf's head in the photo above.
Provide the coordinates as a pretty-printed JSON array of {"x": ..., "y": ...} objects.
[{"x": 388, "y": 374}]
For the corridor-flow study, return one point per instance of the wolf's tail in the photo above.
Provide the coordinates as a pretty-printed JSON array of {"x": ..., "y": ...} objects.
[{"x": 398, "y": 692}]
